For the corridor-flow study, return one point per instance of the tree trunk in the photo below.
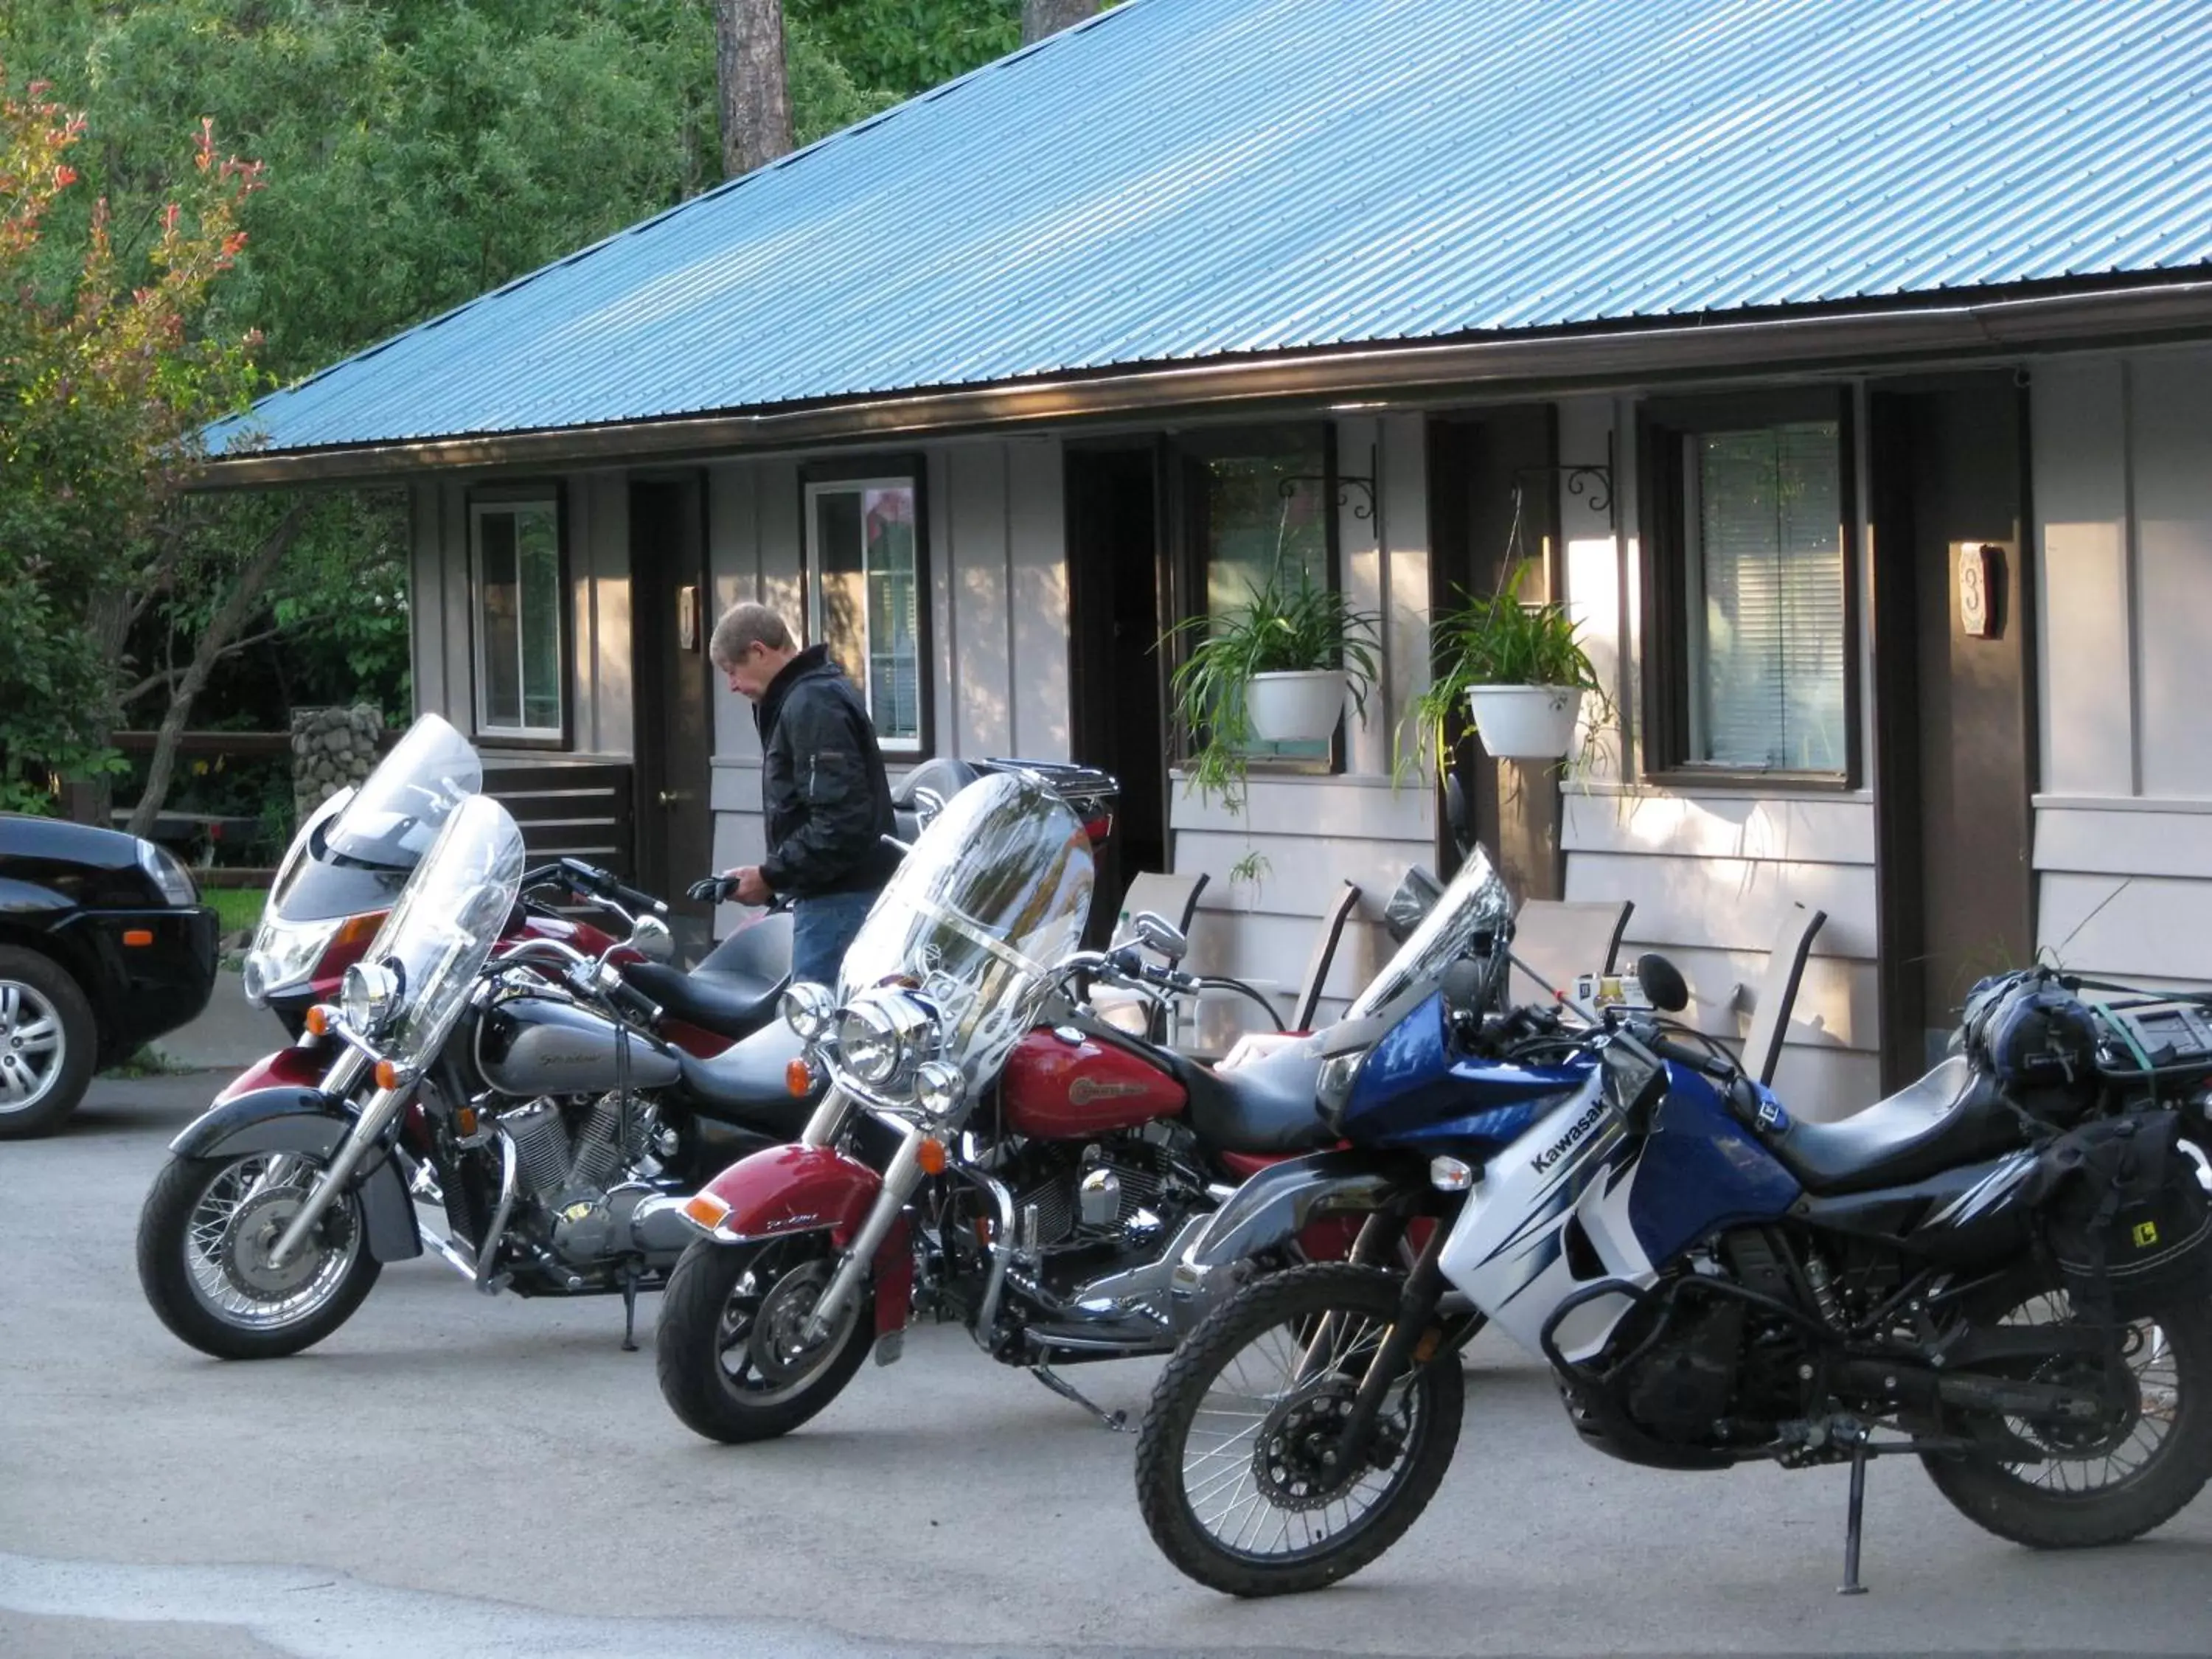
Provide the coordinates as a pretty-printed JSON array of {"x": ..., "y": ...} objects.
[
  {"x": 1043, "y": 17},
  {"x": 218, "y": 633},
  {"x": 749, "y": 72}
]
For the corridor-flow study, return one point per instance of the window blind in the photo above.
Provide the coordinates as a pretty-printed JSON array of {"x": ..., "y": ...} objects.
[{"x": 1768, "y": 607}]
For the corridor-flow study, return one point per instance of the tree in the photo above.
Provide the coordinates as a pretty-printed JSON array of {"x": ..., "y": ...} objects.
[
  {"x": 104, "y": 384},
  {"x": 1043, "y": 17},
  {"x": 748, "y": 69}
]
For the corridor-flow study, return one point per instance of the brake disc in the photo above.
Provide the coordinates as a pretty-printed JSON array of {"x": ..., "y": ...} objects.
[{"x": 254, "y": 1229}]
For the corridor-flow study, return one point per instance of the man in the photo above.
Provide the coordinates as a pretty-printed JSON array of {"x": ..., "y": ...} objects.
[{"x": 823, "y": 787}]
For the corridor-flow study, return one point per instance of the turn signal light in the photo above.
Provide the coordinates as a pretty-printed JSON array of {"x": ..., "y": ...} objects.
[
  {"x": 465, "y": 1120},
  {"x": 709, "y": 1211},
  {"x": 797, "y": 1079},
  {"x": 386, "y": 1074},
  {"x": 930, "y": 1155},
  {"x": 359, "y": 930},
  {"x": 317, "y": 1021}
]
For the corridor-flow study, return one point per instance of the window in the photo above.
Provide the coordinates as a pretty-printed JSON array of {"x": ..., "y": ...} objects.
[
  {"x": 868, "y": 599},
  {"x": 516, "y": 549},
  {"x": 1753, "y": 619},
  {"x": 1258, "y": 503}
]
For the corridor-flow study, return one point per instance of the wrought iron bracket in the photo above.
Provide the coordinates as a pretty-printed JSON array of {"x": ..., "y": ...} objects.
[
  {"x": 1345, "y": 483},
  {"x": 1593, "y": 476}
]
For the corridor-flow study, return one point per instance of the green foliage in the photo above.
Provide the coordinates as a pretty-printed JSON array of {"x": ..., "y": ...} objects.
[
  {"x": 1500, "y": 639},
  {"x": 905, "y": 46},
  {"x": 1284, "y": 628}
]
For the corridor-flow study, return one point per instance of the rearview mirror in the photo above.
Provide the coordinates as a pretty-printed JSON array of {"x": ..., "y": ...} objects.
[
  {"x": 1663, "y": 986},
  {"x": 650, "y": 938},
  {"x": 1162, "y": 935}
]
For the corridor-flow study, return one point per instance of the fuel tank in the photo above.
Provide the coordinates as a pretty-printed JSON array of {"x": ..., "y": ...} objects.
[
  {"x": 1057, "y": 1090},
  {"x": 532, "y": 1046}
]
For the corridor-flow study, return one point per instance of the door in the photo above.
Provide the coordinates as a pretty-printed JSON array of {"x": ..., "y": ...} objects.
[
  {"x": 1954, "y": 765},
  {"x": 1115, "y": 672},
  {"x": 670, "y": 619}
]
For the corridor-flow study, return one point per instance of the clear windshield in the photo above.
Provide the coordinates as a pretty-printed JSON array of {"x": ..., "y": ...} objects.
[
  {"x": 399, "y": 808},
  {"x": 994, "y": 894},
  {"x": 441, "y": 933},
  {"x": 1476, "y": 902}
]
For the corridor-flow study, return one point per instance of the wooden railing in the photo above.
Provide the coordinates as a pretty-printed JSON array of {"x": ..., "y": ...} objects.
[{"x": 568, "y": 809}]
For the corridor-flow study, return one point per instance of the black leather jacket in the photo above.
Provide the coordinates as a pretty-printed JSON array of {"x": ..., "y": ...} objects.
[{"x": 823, "y": 787}]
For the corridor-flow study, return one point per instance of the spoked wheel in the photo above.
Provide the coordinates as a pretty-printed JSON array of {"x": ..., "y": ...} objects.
[
  {"x": 734, "y": 1358},
  {"x": 2102, "y": 1482},
  {"x": 205, "y": 1238},
  {"x": 1239, "y": 1472},
  {"x": 46, "y": 1043}
]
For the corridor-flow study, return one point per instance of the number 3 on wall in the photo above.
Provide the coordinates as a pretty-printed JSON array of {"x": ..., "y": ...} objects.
[{"x": 1980, "y": 574}]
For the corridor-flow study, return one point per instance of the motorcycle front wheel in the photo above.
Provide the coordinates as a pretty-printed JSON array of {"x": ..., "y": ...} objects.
[
  {"x": 1237, "y": 1462},
  {"x": 730, "y": 1348},
  {"x": 204, "y": 1237}
]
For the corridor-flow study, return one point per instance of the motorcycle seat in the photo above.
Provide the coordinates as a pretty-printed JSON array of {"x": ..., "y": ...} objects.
[
  {"x": 749, "y": 1081},
  {"x": 1949, "y": 1117},
  {"x": 1265, "y": 1106},
  {"x": 734, "y": 991}
]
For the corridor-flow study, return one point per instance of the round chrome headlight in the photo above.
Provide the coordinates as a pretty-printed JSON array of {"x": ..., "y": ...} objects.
[
  {"x": 369, "y": 996},
  {"x": 881, "y": 1034},
  {"x": 807, "y": 1008},
  {"x": 939, "y": 1088}
]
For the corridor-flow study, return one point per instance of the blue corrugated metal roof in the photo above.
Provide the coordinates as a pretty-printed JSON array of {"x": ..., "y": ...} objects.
[{"x": 1185, "y": 179}]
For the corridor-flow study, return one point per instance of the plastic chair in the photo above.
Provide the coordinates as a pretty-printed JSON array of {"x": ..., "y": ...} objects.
[
  {"x": 1172, "y": 898},
  {"x": 1324, "y": 953},
  {"x": 1777, "y": 990}
]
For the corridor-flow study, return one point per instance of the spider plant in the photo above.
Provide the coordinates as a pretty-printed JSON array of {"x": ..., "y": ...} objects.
[{"x": 1498, "y": 640}]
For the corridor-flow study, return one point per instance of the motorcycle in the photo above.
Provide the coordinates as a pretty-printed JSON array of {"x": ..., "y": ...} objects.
[
  {"x": 2000, "y": 1270},
  {"x": 513, "y": 1083},
  {"x": 989, "y": 1150}
]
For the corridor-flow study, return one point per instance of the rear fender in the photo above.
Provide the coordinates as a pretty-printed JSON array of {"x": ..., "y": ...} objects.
[
  {"x": 800, "y": 1189},
  {"x": 283, "y": 1119}
]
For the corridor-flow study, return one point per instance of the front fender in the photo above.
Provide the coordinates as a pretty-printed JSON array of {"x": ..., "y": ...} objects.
[
  {"x": 800, "y": 1190},
  {"x": 300, "y": 1066},
  {"x": 304, "y": 1120}
]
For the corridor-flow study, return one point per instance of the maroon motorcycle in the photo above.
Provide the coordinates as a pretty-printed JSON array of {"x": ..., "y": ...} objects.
[{"x": 987, "y": 1151}]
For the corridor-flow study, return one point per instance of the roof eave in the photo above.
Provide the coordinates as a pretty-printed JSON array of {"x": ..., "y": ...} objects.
[{"x": 2139, "y": 312}]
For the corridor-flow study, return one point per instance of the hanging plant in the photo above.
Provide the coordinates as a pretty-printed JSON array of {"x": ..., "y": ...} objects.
[{"x": 1503, "y": 643}]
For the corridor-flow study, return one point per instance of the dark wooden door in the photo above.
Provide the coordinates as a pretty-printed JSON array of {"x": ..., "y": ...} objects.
[
  {"x": 1114, "y": 670},
  {"x": 1954, "y": 766},
  {"x": 670, "y": 618}
]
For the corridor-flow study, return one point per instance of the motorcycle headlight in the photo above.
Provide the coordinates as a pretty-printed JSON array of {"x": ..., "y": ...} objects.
[
  {"x": 369, "y": 996},
  {"x": 168, "y": 873},
  {"x": 808, "y": 1009},
  {"x": 939, "y": 1088},
  {"x": 284, "y": 954},
  {"x": 1332, "y": 1086},
  {"x": 880, "y": 1034}
]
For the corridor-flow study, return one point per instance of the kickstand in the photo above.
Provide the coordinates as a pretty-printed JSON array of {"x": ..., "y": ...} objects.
[
  {"x": 629, "y": 1313},
  {"x": 1117, "y": 1421},
  {"x": 1850, "y": 1586}
]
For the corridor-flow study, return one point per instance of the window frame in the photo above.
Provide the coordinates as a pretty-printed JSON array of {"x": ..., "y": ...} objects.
[
  {"x": 507, "y": 498},
  {"x": 1667, "y": 544},
  {"x": 818, "y": 478},
  {"x": 1188, "y": 560}
]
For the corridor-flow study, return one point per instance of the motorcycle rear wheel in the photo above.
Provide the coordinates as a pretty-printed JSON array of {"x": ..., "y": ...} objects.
[
  {"x": 2106, "y": 1495},
  {"x": 203, "y": 1237},
  {"x": 726, "y": 1348},
  {"x": 1253, "y": 1509}
]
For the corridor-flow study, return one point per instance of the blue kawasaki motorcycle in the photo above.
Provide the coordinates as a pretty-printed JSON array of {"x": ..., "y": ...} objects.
[{"x": 1999, "y": 1270}]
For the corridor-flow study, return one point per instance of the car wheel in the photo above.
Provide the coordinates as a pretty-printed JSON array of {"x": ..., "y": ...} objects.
[{"x": 47, "y": 1043}]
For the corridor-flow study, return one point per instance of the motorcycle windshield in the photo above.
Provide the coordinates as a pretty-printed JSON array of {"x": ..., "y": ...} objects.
[
  {"x": 399, "y": 808},
  {"x": 1476, "y": 903},
  {"x": 992, "y": 895},
  {"x": 441, "y": 933}
]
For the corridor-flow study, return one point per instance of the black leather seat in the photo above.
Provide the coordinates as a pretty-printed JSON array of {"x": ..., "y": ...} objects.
[
  {"x": 749, "y": 1081},
  {"x": 1949, "y": 1117},
  {"x": 734, "y": 991},
  {"x": 1267, "y": 1106}
]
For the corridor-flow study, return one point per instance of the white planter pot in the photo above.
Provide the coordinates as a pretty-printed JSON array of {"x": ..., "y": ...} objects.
[
  {"x": 1526, "y": 722},
  {"x": 1296, "y": 708}
]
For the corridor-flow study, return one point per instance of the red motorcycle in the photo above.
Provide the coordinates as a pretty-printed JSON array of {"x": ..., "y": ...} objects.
[{"x": 987, "y": 1151}]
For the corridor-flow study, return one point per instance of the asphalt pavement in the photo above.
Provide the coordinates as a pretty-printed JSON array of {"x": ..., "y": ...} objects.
[{"x": 455, "y": 1477}]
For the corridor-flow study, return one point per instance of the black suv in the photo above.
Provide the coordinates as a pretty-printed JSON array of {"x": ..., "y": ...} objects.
[{"x": 104, "y": 946}]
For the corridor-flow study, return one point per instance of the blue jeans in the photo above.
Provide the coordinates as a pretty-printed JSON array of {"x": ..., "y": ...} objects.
[{"x": 821, "y": 928}]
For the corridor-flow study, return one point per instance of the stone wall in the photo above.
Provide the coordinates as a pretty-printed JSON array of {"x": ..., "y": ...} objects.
[{"x": 331, "y": 749}]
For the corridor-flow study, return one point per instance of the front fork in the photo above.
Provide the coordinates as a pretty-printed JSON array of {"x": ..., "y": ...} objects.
[
  {"x": 375, "y": 1116},
  {"x": 903, "y": 1176}
]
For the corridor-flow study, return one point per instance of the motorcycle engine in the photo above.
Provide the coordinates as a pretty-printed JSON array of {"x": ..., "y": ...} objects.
[
  {"x": 1681, "y": 1391},
  {"x": 568, "y": 1157},
  {"x": 1123, "y": 1188}
]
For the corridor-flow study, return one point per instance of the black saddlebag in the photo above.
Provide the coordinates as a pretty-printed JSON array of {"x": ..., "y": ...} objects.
[{"x": 2125, "y": 1215}]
